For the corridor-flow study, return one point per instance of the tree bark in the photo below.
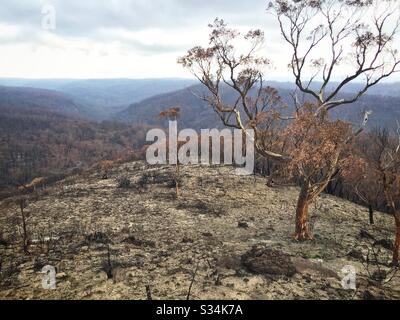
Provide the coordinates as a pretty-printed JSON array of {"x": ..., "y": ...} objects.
[
  {"x": 397, "y": 241},
  {"x": 302, "y": 230}
]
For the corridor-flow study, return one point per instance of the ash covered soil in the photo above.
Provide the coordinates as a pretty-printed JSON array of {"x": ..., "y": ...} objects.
[{"x": 233, "y": 233}]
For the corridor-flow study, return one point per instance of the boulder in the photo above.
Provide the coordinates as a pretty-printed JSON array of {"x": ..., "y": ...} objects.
[{"x": 266, "y": 261}]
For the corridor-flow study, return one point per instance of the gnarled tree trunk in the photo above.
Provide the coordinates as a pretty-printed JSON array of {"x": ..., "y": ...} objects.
[
  {"x": 396, "y": 247},
  {"x": 302, "y": 230}
]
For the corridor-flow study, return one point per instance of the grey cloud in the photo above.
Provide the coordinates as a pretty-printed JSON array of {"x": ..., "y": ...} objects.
[
  {"x": 83, "y": 18},
  {"x": 88, "y": 18},
  {"x": 149, "y": 49}
]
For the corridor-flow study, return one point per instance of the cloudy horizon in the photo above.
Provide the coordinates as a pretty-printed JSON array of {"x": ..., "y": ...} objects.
[{"x": 99, "y": 39}]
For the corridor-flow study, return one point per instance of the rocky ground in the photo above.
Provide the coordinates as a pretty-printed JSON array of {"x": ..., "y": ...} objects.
[{"x": 230, "y": 236}]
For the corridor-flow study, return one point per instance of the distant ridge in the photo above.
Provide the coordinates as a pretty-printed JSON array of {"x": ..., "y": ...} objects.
[
  {"x": 100, "y": 98},
  {"x": 196, "y": 114},
  {"x": 27, "y": 99}
]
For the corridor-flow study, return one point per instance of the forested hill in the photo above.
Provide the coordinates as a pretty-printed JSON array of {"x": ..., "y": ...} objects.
[
  {"x": 24, "y": 99},
  {"x": 196, "y": 114}
]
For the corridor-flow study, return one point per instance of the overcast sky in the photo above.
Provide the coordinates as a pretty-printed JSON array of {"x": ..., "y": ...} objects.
[{"x": 121, "y": 38}]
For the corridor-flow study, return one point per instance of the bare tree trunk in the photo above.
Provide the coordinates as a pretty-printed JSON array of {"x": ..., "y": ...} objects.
[
  {"x": 302, "y": 230},
  {"x": 25, "y": 239},
  {"x": 397, "y": 241},
  {"x": 148, "y": 293},
  {"x": 371, "y": 214},
  {"x": 396, "y": 213},
  {"x": 177, "y": 180}
]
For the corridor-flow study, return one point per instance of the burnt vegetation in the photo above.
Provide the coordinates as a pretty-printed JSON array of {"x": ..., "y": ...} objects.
[
  {"x": 308, "y": 144},
  {"x": 127, "y": 220}
]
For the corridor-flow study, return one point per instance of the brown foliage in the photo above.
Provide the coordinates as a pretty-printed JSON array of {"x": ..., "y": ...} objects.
[
  {"x": 171, "y": 113},
  {"x": 40, "y": 143},
  {"x": 314, "y": 145},
  {"x": 379, "y": 170},
  {"x": 37, "y": 182}
]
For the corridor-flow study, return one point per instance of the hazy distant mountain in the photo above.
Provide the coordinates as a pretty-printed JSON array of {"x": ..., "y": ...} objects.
[
  {"x": 100, "y": 98},
  {"x": 24, "y": 100},
  {"x": 387, "y": 89},
  {"x": 196, "y": 114},
  {"x": 386, "y": 110},
  {"x": 383, "y": 89}
]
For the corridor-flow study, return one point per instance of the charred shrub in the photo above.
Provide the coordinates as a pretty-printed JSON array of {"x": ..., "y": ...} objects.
[
  {"x": 174, "y": 181},
  {"x": 97, "y": 237},
  {"x": 124, "y": 183},
  {"x": 202, "y": 207},
  {"x": 139, "y": 242},
  {"x": 3, "y": 241},
  {"x": 149, "y": 178}
]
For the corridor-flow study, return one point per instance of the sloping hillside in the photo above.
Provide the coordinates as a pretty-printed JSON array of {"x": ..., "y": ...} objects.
[
  {"x": 115, "y": 92},
  {"x": 23, "y": 99},
  {"x": 108, "y": 242},
  {"x": 196, "y": 114},
  {"x": 36, "y": 142}
]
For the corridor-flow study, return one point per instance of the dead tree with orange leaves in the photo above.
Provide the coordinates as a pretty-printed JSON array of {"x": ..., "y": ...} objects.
[
  {"x": 311, "y": 26},
  {"x": 222, "y": 65},
  {"x": 317, "y": 148}
]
